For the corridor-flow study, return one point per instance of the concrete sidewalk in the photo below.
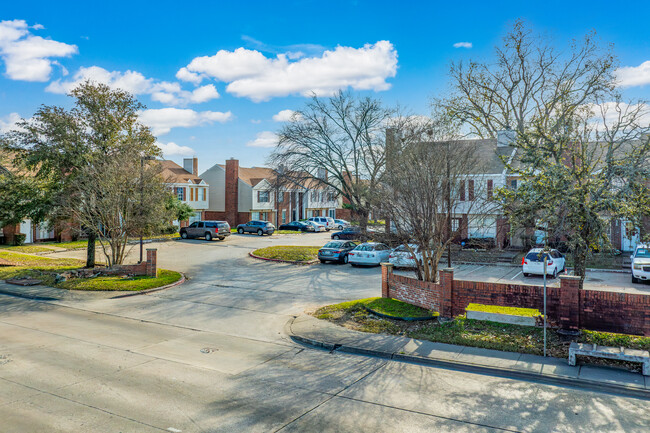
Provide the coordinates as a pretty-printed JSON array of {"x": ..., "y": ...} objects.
[{"x": 321, "y": 333}]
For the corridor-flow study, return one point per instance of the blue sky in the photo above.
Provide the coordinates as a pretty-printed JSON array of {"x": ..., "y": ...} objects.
[{"x": 271, "y": 54}]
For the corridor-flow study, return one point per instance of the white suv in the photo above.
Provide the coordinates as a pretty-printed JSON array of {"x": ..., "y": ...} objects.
[
  {"x": 326, "y": 221},
  {"x": 533, "y": 262},
  {"x": 641, "y": 263}
]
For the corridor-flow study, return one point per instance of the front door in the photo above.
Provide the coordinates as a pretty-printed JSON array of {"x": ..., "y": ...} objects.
[{"x": 629, "y": 236}]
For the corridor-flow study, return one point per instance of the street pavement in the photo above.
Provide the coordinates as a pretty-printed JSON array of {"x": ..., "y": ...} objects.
[{"x": 211, "y": 355}]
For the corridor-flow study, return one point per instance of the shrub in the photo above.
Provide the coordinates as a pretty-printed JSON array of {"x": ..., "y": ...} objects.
[{"x": 19, "y": 238}]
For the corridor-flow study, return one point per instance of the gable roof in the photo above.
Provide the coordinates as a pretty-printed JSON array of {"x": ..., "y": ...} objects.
[
  {"x": 253, "y": 175},
  {"x": 174, "y": 173}
]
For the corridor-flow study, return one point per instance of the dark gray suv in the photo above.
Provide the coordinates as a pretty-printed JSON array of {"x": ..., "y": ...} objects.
[
  {"x": 259, "y": 227},
  {"x": 206, "y": 229}
]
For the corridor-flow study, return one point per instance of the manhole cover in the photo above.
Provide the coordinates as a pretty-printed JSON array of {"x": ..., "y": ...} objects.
[{"x": 208, "y": 350}]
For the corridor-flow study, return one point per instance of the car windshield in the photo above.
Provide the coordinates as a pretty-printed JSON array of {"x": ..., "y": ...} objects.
[
  {"x": 365, "y": 247},
  {"x": 537, "y": 257},
  {"x": 642, "y": 252},
  {"x": 403, "y": 249},
  {"x": 333, "y": 245}
]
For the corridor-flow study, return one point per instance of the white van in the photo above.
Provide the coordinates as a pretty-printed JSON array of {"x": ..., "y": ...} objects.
[{"x": 326, "y": 221}]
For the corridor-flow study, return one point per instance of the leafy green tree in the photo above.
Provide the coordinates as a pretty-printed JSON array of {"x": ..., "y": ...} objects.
[
  {"x": 180, "y": 211},
  {"x": 58, "y": 144}
]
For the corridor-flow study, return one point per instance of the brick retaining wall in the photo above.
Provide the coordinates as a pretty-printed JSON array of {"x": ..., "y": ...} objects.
[{"x": 567, "y": 306}]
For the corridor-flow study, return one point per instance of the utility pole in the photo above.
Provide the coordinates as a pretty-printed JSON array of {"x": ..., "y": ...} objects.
[{"x": 448, "y": 208}]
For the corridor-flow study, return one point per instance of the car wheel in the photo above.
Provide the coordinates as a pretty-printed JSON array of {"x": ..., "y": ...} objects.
[
  {"x": 323, "y": 261},
  {"x": 526, "y": 274},
  {"x": 336, "y": 238},
  {"x": 345, "y": 259},
  {"x": 222, "y": 238},
  {"x": 260, "y": 232},
  {"x": 555, "y": 273},
  {"x": 240, "y": 231},
  {"x": 635, "y": 279},
  {"x": 184, "y": 235},
  {"x": 208, "y": 236}
]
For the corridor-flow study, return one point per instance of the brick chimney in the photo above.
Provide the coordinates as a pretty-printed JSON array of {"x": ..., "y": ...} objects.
[
  {"x": 232, "y": 191},
  {"x": 195, "y": 166}
]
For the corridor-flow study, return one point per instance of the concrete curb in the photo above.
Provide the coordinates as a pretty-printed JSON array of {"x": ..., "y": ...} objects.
[
  {"x": 311, "y": 262},
  {"x": 27, "y": 296},
  {"x": 155, "y": 289},
  {"x": 469, "y": 367}
]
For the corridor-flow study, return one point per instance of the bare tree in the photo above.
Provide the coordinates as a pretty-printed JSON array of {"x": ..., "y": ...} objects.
[
  {"x": 339, "y": 143},
  {"x": 422, "y": 193},
  {"x": 582, "y": 153},
  {"x": 116, "y": 199}
]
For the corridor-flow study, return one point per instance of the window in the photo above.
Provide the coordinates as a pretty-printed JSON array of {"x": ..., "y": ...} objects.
[
  {"x": 331, "y": 196},
  {"x": 204, "y": 192},
  {"x": 461, "y": 189},
  {"x": 470, "y": 190},
  {"x": 180, "y": 193},
  {"x": 255, "y": 215},
  {"x": 322, "y": 196},
  {"x": 200, "y": 225},
  {"x": 194, "y": 224},
  {"x": 314, "y": 196},
  {"x": 263, "y": 196},
  {"x": 332, "y": 213},
  {"x": 280, "y": 196},
  {"x": 284, "y": 213},
  {"x": 455, "y": 224},
  {"x": 513, "y": 183},
  {"x": 490, "y": 187}
]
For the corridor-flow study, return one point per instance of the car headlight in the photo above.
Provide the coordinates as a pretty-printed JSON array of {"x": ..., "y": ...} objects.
[{"x": 638, "y": 266}]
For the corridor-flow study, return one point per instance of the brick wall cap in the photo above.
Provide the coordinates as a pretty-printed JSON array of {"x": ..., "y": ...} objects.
[
  {"x": 388, "y": 265},
  {"x": 152, "y": 249},
  {"x": 569, "y": 277},
  {"x": 448, "y": 270}
]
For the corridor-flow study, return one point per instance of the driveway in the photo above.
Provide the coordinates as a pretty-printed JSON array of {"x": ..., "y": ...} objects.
[{"x": 211, "y": 356}]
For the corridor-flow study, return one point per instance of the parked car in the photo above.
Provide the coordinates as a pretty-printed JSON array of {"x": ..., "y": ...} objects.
[
  {"x": 369, "y": 254},
  {"x": 297, "y": 226},
  {"x": 206, "y": 229},
  {"x": 336, "y": 251},
  {"x": 318, "y": 227},
  {"x": 259, "y": 227},
  {"x": 348, "y": 233},
  {"x": 641, "y": 263},
  {"x": 401, "y": 257},
  {"x": 326, "y": 221},
  {"x": 341, "y": 224},
  {"x": 533, "y": 262}
]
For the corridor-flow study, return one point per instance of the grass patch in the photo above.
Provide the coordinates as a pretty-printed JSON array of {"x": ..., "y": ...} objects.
[
  {"x": 27, "y": 248},
  {"x": 512, "y": 311},
  {"x": 113, "y": 283},
  {"x": 289, "y": 232},
  {"x": 72, "y": 245},
  {"x": 289, "y": 253},
  {"x": 395, "y": 308},
  {"x": 35, "y": 266},
  {"x": 615, "y": 340}
]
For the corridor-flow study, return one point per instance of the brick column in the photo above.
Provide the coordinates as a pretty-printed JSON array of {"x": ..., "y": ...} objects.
[
  {"x": 446, "y": 277},
  {"x": 386, "y": 271},
  {"x": 568, "y": 311},
  {"x": 152, "y": 265},
  {"x": 232, "y": 192}
]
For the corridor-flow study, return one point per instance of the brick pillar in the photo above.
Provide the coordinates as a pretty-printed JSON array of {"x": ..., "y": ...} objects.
[
  {"x": 568, "y": 311},
  {"x": 195, "y": 166},
  {"x": 616, "y": 234},
  {"x": 232, "y": 191},
  {"x": 446, "y": 277},
  {"x": 386, "y": 271},
  {"x": 152, "y": 262},
  {"x": 9, "y": 232}
]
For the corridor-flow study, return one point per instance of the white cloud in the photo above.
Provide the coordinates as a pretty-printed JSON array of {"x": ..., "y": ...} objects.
[
  {"x": 162, "y": 120},
  {"x": 184, "y": 75},
  {"x": 285, "y": 116},
  {"x": 264, "y": 139},
  {"x": 256, "y": 121},
  {"x": 629, "y": 76},
  {"x": 136, "y": 83},
  {"x": 173, "y": 149},
  {"x": 28, "y": 57},
  {"x": 463, "y": 45},
  {"x": 8, "y": 122},
  {"x": 252, "y": 75}
]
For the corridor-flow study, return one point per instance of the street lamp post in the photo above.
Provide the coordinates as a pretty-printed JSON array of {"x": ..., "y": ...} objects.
[{"x": 142, "y": 159}]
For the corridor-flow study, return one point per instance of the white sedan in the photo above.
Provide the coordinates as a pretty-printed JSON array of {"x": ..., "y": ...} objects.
[
  {"x": 641, "y": 263},
  {"x": 533, "y": 262},
  {"x": 318, "y": 227},
  {"x": 401, "y": 257},
  {"x": 369, "y": 254}
]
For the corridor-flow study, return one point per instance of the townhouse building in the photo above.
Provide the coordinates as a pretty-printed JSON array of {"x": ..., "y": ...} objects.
[
  {"x": 187, "y": 186},
  {"x": 240, "y": 194}
]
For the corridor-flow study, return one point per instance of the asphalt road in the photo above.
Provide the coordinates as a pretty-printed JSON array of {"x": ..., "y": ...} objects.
[{"x": 211, "y": 356}]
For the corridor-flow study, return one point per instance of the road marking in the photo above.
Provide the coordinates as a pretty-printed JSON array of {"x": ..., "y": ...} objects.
[
  {"x": 520, "y": 272},
  {"x": 475, "y": 269}
]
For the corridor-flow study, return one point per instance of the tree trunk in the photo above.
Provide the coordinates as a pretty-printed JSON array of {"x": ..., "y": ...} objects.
[
  {"x": 580, "y": 263},
  {"x": 90, "y": 251},
  {"x": 363, "y": 220}
]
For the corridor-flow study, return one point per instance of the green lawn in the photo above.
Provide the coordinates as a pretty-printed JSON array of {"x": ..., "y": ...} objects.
[
  {"x": 44, "y": 268},
  {"x": 526, "y": 312},
  {"x": 26, "y": 248},
  {"x": 110, "y": 283},
  {"x": 387, "y": 306},
  {"x": 474, "y": 333},
  {"x": 289, "y": 253}
]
